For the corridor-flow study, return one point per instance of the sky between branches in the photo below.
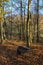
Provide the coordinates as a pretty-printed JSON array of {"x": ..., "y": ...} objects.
[
  {"x": 33, "y": 4},
  {"x": 32, "y": 8}
]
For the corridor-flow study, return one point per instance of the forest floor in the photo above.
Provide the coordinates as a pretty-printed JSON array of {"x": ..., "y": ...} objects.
[{"x": 8, "y": 54}]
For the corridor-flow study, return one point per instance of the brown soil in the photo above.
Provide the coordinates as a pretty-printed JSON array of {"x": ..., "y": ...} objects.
[{"x": 8, "y": 54}]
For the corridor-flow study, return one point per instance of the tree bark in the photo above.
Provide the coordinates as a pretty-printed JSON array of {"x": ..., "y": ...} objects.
[
  {"x": 37, "y": 21},
  {"x": 28, "y": 23}
]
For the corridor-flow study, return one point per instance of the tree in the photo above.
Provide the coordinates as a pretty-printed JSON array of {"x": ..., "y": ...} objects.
[
  {"x": 1, "y": 18},
  {"x": 37, "y": 21},
  {"x": 28, "y": 22}
]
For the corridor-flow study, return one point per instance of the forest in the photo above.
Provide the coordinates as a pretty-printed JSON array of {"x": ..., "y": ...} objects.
[{"x": 21, "y": 32}]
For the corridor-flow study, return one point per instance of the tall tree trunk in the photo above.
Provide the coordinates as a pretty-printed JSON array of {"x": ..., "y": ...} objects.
[
  {"x": 30, "y": 29},
  {"x": 27, "y": 38},
  {"x": 28, "y": 23},
  {"x": 37, "y": 20},
  {"x": 34, "y": 21},
  {"x": 11, "y": 21},
  {"x": 24, "y": 23},
  {"x": 1, "y": 32},
  {"x": 21, "y": 20}
]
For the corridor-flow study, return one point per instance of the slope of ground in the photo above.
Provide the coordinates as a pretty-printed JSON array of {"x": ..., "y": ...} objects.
[{"x": 8, "y": 54}]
